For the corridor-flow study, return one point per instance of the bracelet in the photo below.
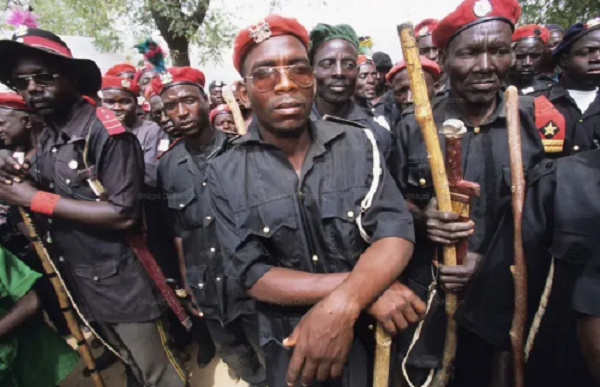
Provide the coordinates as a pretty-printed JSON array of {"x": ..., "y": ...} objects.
[{"x": 44, "y": 202}]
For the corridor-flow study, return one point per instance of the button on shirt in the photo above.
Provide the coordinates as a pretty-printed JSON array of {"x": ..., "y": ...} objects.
[
  {"x": 485, "y": 160},
  {"x": 582, "y": 129},
  {"x": 269, "y": 217},
  {"x": 104, "y": 274},
  {"x": 182, "y": 180}
]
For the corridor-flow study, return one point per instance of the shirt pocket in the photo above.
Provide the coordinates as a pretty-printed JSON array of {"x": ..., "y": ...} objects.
[
  {"x": 185, "y": 206},
  {"x": 573, "y": 248},
  {"x": 274, "y": 223},
  {"x": 419, "y": 182},
  {"x": 68, "y": 163},
  {"x": 203, "y": 285},
  {"x": 339, "y": 211}
]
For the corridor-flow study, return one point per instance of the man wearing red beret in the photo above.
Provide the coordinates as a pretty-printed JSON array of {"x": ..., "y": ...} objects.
[
  {"x": 122, "y": 70},
  {"x": 476, "y": 39},
  {"x": 365, "y": 82},
  {"x": 85, "y": 198},
  {"x": 309, "y": 219},
  {"x": 20, "y": 125},
  {"x": 333, "y": 53},
  {"x": 120, "y": 95},
  {"x": 221, "y": 119},
  {"x": 397, "y": 78},
  {"x": 423, "y": 35},
  {"x": 529, "y": 43},
  {"x": 228, "y": 312}
]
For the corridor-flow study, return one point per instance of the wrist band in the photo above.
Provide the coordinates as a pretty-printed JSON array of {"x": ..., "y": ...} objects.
[{"x": 44, "y": 202}]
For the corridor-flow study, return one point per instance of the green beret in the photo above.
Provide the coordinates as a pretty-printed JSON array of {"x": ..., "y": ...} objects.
[{"x": 324, "y": 32}]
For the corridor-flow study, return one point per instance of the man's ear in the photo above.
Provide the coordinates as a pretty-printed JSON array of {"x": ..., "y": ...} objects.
[
  {"x": 243, "y": 95},
  {"x": 443, "y": 58},
  {"x": 27, "y": 121},
  {"x": 563, "y": 61}
]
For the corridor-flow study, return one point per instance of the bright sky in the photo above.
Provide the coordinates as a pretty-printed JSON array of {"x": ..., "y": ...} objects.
[{"x": 375, "y": 18}]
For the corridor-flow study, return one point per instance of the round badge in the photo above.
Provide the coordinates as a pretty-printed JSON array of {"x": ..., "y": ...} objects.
[
  {"x": 482, "y": 8},
  {"x": 73, "y": 164}
]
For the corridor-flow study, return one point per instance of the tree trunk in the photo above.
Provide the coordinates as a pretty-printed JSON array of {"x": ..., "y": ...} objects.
[{"x": 179, "y": 50}]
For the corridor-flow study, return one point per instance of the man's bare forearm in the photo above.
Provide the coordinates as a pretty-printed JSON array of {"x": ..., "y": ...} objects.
[
  {"x": 294, "y": 288},
  {"x": 26, "y": 307},
  {"x": 100, "y": 214}
]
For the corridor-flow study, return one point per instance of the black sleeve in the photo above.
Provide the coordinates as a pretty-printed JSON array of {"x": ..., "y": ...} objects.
[{"x": 121, "y": 172}]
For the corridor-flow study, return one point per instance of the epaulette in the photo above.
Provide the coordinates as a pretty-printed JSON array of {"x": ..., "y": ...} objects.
[
  {"x": 177, "y": 140},
  {"x": 550, "y": 124},
  {"x": 111, "y": 123},
  {"x": 542, "y": 169},
  {"x": 342, "y": 121},
  {"x": 536, "y": 89}
]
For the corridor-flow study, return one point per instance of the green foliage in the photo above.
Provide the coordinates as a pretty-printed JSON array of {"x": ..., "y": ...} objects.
[
  {"x": 562, "y": 12},
  {"x": 108, "y": 21}
]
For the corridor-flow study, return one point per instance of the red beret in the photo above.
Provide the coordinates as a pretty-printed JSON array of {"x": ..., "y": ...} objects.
[
  {"x": 13, "y": 101},
  {"x": 428, "y": 65},
  {"x": 120, "y": 69},
  {"x": 178, "y": 76},
  {"x": 121, "y": 84},
  {"x": 473, "y": 12},
  {"x": 363, "y": 59},
  {"x": 272, "y": 25},
  {"x": 531, "y": 31},
  {"x": 218, "y": 110},
  {"x": 425, "y": 27},
  {"x": 89, "y": 100}
]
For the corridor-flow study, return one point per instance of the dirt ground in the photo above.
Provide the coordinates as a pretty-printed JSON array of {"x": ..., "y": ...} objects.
[{"x": 213, "y": 375}]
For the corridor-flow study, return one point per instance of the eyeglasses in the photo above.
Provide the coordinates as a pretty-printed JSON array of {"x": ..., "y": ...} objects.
[
  {"x": 266, "y": 78},
  {"x": 21, "y": 82}
]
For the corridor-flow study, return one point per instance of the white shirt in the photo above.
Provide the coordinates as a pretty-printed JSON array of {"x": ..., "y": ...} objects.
[{"x": 583, "y": 98}]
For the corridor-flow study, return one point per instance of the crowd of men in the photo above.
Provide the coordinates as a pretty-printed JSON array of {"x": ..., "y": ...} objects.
[{"x": 293, "y": 220}]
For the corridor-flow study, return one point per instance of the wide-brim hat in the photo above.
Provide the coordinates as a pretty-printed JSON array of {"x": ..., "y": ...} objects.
[{"x": 33, "y": 41}]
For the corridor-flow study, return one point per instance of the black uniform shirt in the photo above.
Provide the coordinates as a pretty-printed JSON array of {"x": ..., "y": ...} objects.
[
  {"x": 582, "y": 130},
  {"x": 485, "y": 160},
  {"x": 269, "y": 217},
  {"x": 182, "y": 179},
  {"x": 367, "y": 119},
  {"x": 103, "y": 272}
]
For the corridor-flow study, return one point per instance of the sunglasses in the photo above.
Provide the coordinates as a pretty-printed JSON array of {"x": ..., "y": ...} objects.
[
  {"x": 21, "y": 82},
  {"x": 266, "y": 78}
]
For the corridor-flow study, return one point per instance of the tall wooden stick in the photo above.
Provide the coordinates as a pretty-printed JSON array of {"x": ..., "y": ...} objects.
[
  {"x": 238, "y": 119},
  {"x": 383, "y": 342},
  {"x": 63, "y": 300},
  {"x": 519, "y": 269},
  {"x": 424, "y": 117}
]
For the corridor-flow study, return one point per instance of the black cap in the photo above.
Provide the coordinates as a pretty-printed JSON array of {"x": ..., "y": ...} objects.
[{"x": 382, "y": 61}]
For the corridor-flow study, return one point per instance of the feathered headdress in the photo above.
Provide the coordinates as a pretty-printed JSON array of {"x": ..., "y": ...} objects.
[
  {"x": 18, "y": 16},
  {"x": 365, "y": 44},
  {"x": 153, "y": 54}
]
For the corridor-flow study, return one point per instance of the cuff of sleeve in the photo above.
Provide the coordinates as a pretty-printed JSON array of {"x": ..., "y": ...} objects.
[
  {"x": 255, "y": 273},
  {"x": 404, "y": 230},
  {"x": 586, "y": 295}
]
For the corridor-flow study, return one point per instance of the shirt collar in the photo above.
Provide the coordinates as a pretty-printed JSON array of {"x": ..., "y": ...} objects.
[
  {"x": 218, "y": 144},
  {"x": 321, "y": 134},
  {"x": 76, "y": 125},
  {"x": 452, "y": 111}
]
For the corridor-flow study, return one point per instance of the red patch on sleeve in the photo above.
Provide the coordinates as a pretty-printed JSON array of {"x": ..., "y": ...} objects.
[
  {"x": 110, "y": 121},
  {"x": 550, "y": 124}
]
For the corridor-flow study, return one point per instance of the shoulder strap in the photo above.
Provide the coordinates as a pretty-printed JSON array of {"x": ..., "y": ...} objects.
[
  {"x": 550, "y": 124},
  {"x": 177, "y": 140},
  {"x": 368, "y": 199},
  {"x": 342, "y": 121},
  {"x": 111, "y": 123}
]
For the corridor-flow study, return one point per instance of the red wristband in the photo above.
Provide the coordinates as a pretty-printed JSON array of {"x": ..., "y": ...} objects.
[{"x": 44, "y": 202}]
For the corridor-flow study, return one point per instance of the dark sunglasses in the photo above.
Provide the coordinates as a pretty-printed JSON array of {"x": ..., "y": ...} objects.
[
  {"x": 21, "y": 82},
  {"x": 266, "y": 78}
]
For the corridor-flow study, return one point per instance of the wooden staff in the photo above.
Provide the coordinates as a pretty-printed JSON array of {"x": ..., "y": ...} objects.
[
  {"x": 383, "y": 342},
  {"x": 424, "y": 117},
  {"x": 240, "y": 125},
  {"x": 63, "y": 300},
  {"x": 518, "y": 269}
]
